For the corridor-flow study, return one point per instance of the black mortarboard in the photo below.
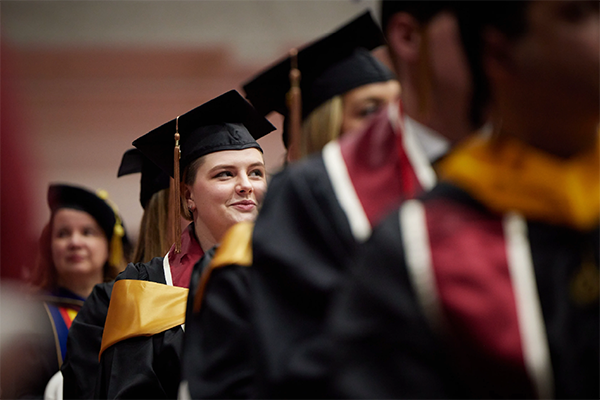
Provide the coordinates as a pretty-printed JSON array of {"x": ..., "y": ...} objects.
[
  {"x": 227, "y": 122},
  {"x": 153, "y": 179},
  {"x": 329, "y": 67},
  {"x": 422, "y": 11}
]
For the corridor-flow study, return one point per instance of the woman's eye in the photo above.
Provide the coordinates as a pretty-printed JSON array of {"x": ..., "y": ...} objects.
[
  {"x": 257, "y": 172},
  {"x": 89, "y": 232},
  {"x": 368, "y": 110},
  {"x": 224, "y": 174},
  {"x": 63, "y": 233}
]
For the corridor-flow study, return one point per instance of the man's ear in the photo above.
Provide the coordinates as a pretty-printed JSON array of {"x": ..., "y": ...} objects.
[{"x": 404, "y": 36}]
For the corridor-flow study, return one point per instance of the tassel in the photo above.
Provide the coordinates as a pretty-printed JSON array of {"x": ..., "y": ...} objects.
[
  {"x": 172, "y": 203},
  {"x": 176, "y": 222},
  {"x": 117, "y": 256},
  {"x": 116, "y": 245},
  {"x": 294, "y": 99}
]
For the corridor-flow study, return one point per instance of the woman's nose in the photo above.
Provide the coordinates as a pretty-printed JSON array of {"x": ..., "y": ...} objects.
[
  {"x": 76, "y": 239},
  {"x": 244, "y": 185}
]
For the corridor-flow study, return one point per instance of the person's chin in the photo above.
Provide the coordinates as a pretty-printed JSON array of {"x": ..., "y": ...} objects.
[
  {"x": 79, "y": 268},
  {"x": 248, "y": 216}
]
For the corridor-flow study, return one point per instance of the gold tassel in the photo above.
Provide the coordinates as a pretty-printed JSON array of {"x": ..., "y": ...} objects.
[
  {"x": 176, "y": 191},
  {"x": 294, "y": 99},
  {"x": 117, "y": 256}
]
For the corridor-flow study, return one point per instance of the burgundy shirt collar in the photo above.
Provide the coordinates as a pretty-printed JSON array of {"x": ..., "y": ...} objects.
[{"x": 182, "y": 264}]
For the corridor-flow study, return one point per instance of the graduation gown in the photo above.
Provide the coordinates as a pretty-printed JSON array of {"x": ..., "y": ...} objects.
[
  {"x": 314, "y": 216},
  {"x": 42, "y": 355},
  {"x": 83, "y": 375},
  {"x": 218, "y": 352},
  {"x": 486, "y": 287}
]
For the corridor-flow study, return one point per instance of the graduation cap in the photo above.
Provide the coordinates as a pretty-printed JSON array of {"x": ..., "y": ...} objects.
[
  {"x": 153, "y": 179},
  {"x": 98, "y": 206},
  {"x": 329, "y": 67},
  {"x": 227, "y": 122}
]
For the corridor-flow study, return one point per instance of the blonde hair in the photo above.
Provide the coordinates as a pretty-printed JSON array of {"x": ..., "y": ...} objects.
[
  {"x": 153, "y": 239},
  {"x": 322, "y": 125}
]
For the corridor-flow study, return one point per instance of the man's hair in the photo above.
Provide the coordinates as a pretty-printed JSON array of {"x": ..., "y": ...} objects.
[{"x": 509, "y": 18}]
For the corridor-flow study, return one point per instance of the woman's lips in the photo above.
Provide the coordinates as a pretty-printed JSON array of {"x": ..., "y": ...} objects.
[
  {"x": 244, "y": 205},
  {"x": 75, "y": 258}
]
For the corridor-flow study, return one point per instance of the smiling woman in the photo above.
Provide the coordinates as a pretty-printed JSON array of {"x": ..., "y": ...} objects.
[
  {"x": 139, "y": 318},
  {"x": 222, "y": 189}
]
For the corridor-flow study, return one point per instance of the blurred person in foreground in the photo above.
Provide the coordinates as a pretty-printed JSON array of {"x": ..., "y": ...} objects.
[
  {"x": 488, "y": 285},
  {"x": 22, "y": 320},
  {"x": 318, "y": 211}
]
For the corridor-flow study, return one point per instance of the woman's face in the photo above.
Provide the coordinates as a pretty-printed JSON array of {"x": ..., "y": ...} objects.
[
  {"x": 229, "y": 187},
  {"x": 79, "y": 246},
  {"x": 362, "y": 103}
]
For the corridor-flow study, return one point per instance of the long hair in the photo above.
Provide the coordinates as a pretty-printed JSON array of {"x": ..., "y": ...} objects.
[
  {"x": 322, "y": 125},
  {"x": 153, "y": 239},
  {"x": 45, "y": 275}
]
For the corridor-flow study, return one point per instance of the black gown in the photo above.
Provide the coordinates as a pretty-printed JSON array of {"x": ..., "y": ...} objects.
[
  {"x": 260, "y": 330},
  {"x": 305, "y": 236},
  {"x": 139, "y": 367},
  {"x": 80, "y": 367},
  {"x": 388, "y": 346},
  {"x": 218, "y": 352},
  {"x": 142, "y": 367},
  {"x": 217, "y": 358}
]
